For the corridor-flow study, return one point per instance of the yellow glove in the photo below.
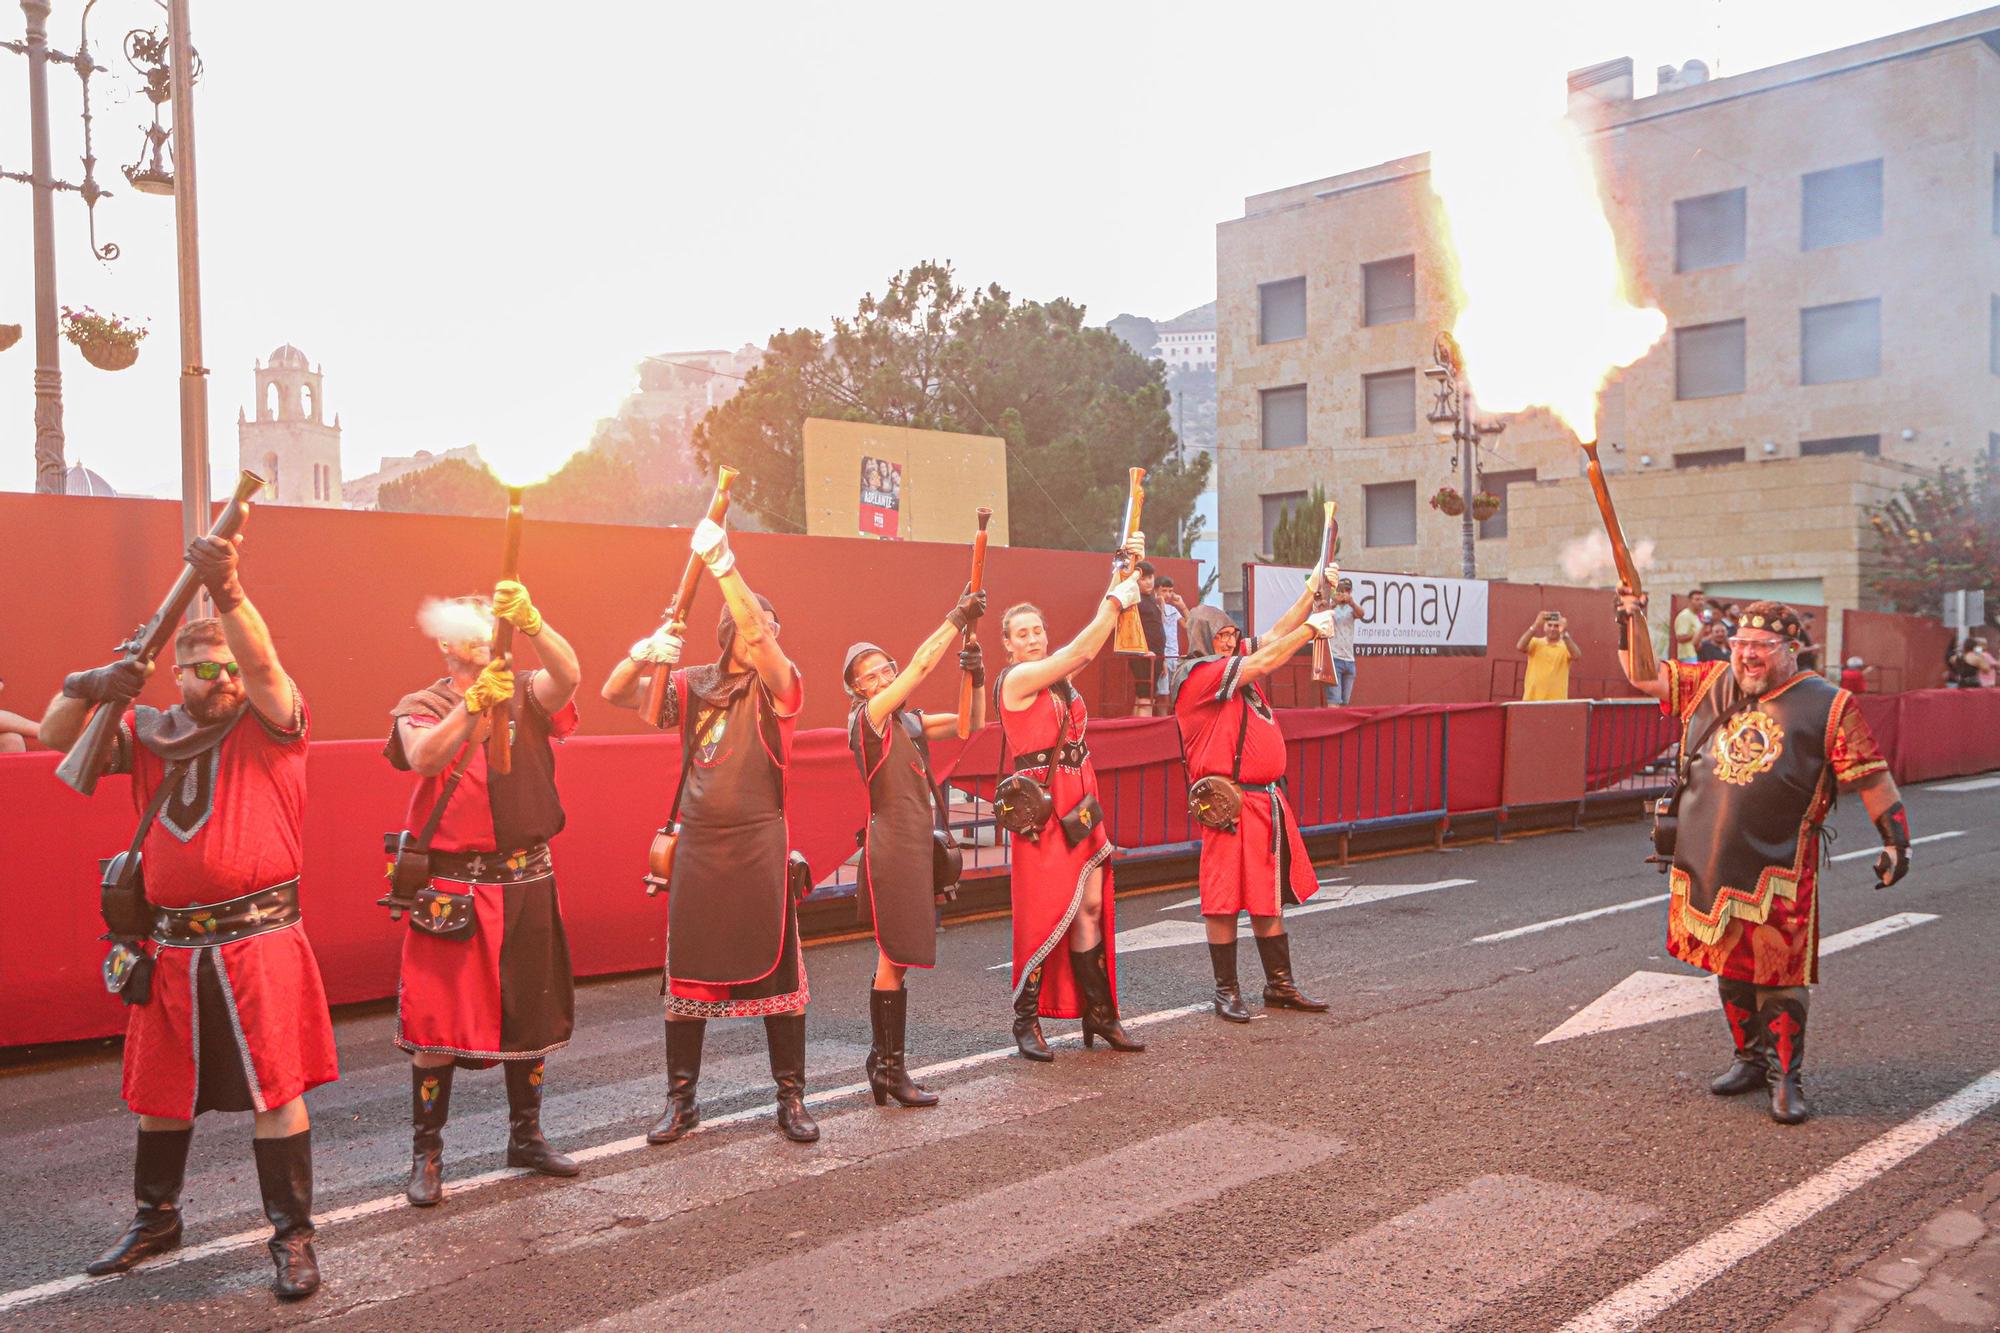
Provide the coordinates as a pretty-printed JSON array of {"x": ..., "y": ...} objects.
[
  {"x": 495, "y": 685},
  {"x": 510, "y": 602}
]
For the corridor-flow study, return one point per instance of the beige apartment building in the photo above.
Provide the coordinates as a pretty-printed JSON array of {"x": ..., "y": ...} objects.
[{"x": 1824, "y": 238}]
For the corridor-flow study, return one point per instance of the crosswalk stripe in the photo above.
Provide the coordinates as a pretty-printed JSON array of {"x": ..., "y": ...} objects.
[
  {"x": 1519, "y": 931},
  {"x": 1860, "y": 852},
  {"x": 1668, "y": 1284},
  {"x": 1975, "y": 784},
  {"x": 870, "y": 1277},
  {"x": 1476, "y": 1244}
]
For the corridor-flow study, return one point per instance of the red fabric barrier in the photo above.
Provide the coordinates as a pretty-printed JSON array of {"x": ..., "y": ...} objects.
[
  {"x": 1624, "y": 738},
  {"x": 1884, "y": 715},
  {"x": 1944, "y": 733}
]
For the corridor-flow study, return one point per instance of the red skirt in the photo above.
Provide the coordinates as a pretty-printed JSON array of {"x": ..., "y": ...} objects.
[
  {"x": 276, "y": 1011},
  {"x": 1047, "y": 883},
  {"x": 505, "y": 994},
  {"x": 1248, "y": 870}
]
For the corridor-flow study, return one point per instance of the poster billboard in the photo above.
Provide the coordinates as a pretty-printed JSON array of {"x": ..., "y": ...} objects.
[
  {"x": 881, "y": 498},
  {"x": 1409, "y": 615}
]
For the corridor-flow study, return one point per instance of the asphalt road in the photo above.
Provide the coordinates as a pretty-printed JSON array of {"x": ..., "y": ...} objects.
[{"x": 1419, "y": 1158}]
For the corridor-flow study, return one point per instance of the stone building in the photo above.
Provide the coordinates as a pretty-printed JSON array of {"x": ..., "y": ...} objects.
[
  {"x": 289, "y": 443},
  {"x": 1824, "y": 238},
  {"x": 1187, "y": 342}
]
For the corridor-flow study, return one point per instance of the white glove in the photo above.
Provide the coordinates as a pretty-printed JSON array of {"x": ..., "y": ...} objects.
[
  {"x": 1125, "y": 592},
  {"x": 661, "y": 648},
  {"x": 711, "y": 543},
  {"x": 1135, "y": 546},
  {"x": 1321, "y": 623}
]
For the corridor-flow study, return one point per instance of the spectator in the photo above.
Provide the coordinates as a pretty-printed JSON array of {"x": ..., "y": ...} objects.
[
  {"x": 1730, "y": 615},
  {"x": 1959, "y": 673},
  {"x": 1172, "y": 610},
  {"x": 1715, "y": 643},
  {"x": 1688, "y": 626},
  {"x": 1854, "y": 676},
  {"x": 16, "y": 731},
  {"x": 1809, "y": 644},
  {"x": 1550, "y": 651},
  {"x": 1339, "y": 692},
  {"x": 1984, "y": 664},
  {"x": 1146, "y": 670}
]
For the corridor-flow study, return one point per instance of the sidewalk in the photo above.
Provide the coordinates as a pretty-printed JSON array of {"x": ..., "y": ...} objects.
[{"x": 1944, "y": 1275}]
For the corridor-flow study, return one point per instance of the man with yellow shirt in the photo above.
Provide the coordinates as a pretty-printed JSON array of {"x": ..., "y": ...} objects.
[{"x": 1550, "y": 650}]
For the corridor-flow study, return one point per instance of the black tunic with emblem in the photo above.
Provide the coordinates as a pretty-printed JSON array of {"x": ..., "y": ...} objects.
[{"x": 904, "y": 816}]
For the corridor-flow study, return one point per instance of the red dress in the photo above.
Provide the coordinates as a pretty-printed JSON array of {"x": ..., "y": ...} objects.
[
  {"x": 1049, "y": 875},
  {"x": 237, "y": 827},
  {"x": 1248, "y": 869}
]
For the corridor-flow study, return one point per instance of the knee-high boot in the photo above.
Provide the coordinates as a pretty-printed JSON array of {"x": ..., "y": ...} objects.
[
  {"x": 430, "y": 1106},
  {"x": 683, "y": 1073},
  {"x": 158, "y": 1168},
  {"x": 1784, "y": 1019},
  {"x": 1746, "y": 1029},
  {"x": 525, "y": 1144},
  {"x": 1028, "y": 1018},
  {"x": 785, "y": 1034},
  {"x": 1280, "y": 991},
  {"x": 1100, "y": 1006},
  {"x": 1228, "y": 991},
  {"x": 888, "y": 1072},
  {"x": 284, "y": 1178}
]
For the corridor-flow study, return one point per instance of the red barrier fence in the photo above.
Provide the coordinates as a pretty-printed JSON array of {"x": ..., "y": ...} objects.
[{"x": 1352, "y": 770}]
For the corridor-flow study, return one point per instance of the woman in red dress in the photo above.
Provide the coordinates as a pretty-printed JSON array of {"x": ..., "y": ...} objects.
[{"x": 1061, "y": 880}]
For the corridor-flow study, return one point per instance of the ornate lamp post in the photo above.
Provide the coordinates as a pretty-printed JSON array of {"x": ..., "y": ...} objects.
[{"x": 1456, "y": 420}]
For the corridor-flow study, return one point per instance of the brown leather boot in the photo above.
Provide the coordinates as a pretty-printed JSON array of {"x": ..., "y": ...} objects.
[{"x": 158, "y": 1168}]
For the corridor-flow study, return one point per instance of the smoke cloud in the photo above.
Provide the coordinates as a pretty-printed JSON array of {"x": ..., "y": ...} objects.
[
  {"x": 454, "y": 621},
  {"x": 1587, "y": 560}
]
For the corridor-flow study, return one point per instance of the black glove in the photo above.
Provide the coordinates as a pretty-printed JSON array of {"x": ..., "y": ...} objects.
[
  {"x": 214, "y": 562},
  {"x": 973, "y": 663},
  {"x": 1894, "y": 860},
  {"x": 971, "y": 606},
  {"x": 118, "y": 683}
]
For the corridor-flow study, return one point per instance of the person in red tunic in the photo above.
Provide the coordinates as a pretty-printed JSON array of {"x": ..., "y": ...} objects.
[
  {"x": 504, "y": 992},
  {"x": 1764, "y": 747},
  {"x": 732, "y": 918},
  {"x": 237, "y": 1019},
  {"x": 1252, "y": 856},
  {"x": 1065, "y": 963},
  {"x": 908, "y": 830}
]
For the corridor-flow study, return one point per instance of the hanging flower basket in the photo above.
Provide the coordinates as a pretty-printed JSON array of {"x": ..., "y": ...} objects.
[
  {"x": 109, "y": 342},
  {"x": 1485, "y": 505},
  {"x": 1448, "y": 502},
  {"x": 9, "y": 335}
]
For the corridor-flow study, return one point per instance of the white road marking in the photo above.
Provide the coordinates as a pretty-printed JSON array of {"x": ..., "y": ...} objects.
[
  {"x": 1476, "y": 1244},
  {"x": 873, "y": 1275},
  {"x": 1666, "y": 1285},
  {"x": 1975, "y": 784},
  {"x": 41, "y": 1291},
  {"x": 1196, "y": 900},
  {"x": 1858, "y": 853},
  {"x": 1175, "y": 934},
  {"x": 1519, "y": 931},
  {"x": 1654, "y": 997}
]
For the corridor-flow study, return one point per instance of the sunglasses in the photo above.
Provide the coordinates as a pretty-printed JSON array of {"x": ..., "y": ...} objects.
[{"x": 210, "y": 670}]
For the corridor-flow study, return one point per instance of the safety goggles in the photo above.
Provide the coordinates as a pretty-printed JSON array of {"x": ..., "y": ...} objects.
[
  {"x": 210, "y": 670},
  {"x": 1760, "y": 647}
]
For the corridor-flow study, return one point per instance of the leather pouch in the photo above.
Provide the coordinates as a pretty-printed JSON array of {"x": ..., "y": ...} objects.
[
  {"x": 1081, "y": 822},
  {"x": 445, "y": 915}
]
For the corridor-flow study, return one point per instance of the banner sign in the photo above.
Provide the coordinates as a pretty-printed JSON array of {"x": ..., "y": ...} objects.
[
  {"x": 881, "y": 497},
  {"x": 1409, "y": 615}
]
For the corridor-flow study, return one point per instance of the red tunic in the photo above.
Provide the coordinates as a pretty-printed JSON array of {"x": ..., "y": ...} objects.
[
  {"x": 1048, "y": 875},
  {"x": 1246, "y": 870},
  {"x": 248, "y": 834}
]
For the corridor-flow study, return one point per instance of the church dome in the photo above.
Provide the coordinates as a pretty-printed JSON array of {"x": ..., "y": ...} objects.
[
  {"x": 287, "y": 357},
  {"x": 80, "y": 480}
]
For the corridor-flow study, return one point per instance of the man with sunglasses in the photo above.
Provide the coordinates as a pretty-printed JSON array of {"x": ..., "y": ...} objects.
[
  {"x": 1765, "y": 746},
  {"x": 236, "y": 1019}
]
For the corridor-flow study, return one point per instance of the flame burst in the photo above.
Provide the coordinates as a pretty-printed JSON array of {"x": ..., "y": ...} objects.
[{"x": 1543, "y": 316}]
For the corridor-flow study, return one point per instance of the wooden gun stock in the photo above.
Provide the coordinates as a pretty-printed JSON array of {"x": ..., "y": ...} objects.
[
  {"x": 500, "y": 717},
  {"x": 677, "y": 613},
  {"x": 965, "y": 690},
  {"x": 1130, "y": 636},
  {"x": 1322, "y": 650},
  {"x": 84, "y": 763},
  {"x": 1638, "y": 645}
]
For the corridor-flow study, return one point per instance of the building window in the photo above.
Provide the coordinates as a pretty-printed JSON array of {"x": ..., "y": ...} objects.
[
  {"x": 1708, "y": 360},
  {"x": 1498, "y": 482},
  {"x": 1284, "y": 417},
  {"x": 1389, "y": 403},
  {"x": 1281, "y": 310},
  {"x": 1389, "y": 290},
  {"x": 1840, "y": 342},
  {"x": 1274, "y": 511},
  {"x": 1708, "y": 457},
  {"x": 1708, "y": 231},
  {"x": 1845, "y": 444},
  {"x": 1390, "y": 513},
  {"x": 1841, "y": 204},
  {"x": 1993, "y": 336}
]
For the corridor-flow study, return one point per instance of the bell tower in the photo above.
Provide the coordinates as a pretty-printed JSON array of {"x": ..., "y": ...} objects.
[{"x": 287, "y": 441}]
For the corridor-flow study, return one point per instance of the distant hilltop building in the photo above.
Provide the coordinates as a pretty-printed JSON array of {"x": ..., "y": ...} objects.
[
  {"x": 676, "y": 390},
  {"x": 1187, "y": 342},
  {"x": 363, "y": 492},
  {"x": 288, "y": 443}
]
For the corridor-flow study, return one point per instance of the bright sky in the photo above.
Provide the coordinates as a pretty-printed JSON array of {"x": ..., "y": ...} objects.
[{"x": 479, "y": 217}]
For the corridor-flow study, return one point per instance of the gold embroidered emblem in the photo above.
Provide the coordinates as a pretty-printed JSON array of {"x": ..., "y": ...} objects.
[{"x": 1747, "y": 745}]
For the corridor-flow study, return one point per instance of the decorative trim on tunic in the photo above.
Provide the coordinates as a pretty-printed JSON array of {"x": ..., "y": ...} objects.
[
  {"x": 403, "y": 1044},
  {"x": 236, "y": 1028},
  {"x": 769, "y": 1006},
  {"x": 1048, "y": 946}
]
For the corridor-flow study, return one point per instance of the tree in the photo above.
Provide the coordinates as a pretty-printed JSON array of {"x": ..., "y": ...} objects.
[
  {"x": 1295, "y": 541},
  {"x": 596, "y": 485},
  {"x": 1075, "y": 405},
  {"x": 453, "y": 486},
  {"x": 1937, "y": 536}
]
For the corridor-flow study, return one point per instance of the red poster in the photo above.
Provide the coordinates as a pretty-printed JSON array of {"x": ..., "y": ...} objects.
[{"x": 881, "y": 497}]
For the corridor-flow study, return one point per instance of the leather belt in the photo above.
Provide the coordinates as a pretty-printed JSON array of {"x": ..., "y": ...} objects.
[
  {"x": 225, "y": 922},
  {"x": 1072, "y": 754},
  {"x": 493, "y": 867},
  {"x": 1266, "y": 788}
]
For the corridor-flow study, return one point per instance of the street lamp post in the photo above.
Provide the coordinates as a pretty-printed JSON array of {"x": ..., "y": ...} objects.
[
  {"x": 194, "y": 374},
  {"x": 1455, "y": 418}
]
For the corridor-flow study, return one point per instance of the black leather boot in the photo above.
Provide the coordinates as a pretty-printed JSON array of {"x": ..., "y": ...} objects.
[
  {"x": 683, "y": 1073},
  {"x": 1280, "y": 991},
  {"x": 1785, "y": 1044},
  {"x": 1100, "y": 1006},
  {"x": 785, "y": 1034},
  {"x": 1746, "y": 1028},
  {"x": 430, "y": 1104},
  {"x": 158, "y": 1168},
  {"x": 285, "y": 1179},
  {"x": 1228, "y": 992},
  {"x": 1028, "y": 1019},
  {"x": 888, "y": 1073},
  {"x": 525, "y": 1144}
]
